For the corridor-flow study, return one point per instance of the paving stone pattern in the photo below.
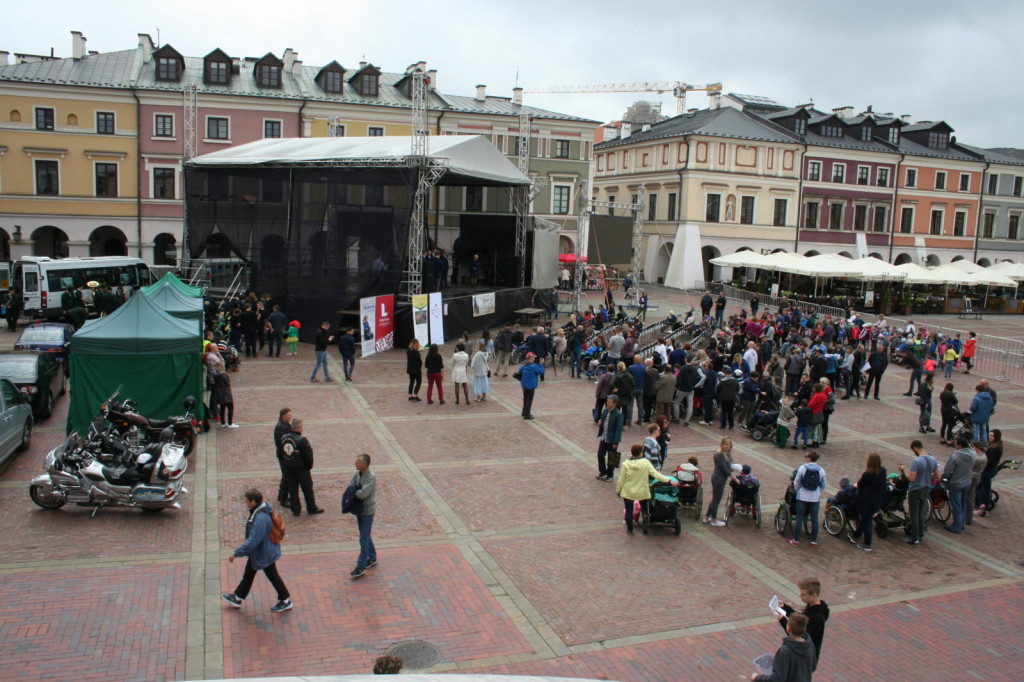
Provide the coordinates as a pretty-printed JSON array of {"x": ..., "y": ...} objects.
[{"x": 498, "y": 547}]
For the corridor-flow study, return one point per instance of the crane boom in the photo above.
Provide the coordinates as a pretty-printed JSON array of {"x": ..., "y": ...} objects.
[{"x": 677, "y": 88}]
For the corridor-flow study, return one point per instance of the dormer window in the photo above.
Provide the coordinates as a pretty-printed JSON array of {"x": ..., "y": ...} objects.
[
  {"x": 831, "y": 131},
  {"x": 938, "y": 140},
  {"x": 800, "y": 126},
  {"x": 894, "y": 135},
  {"x": 368, "y": 83},
  {"x": 169, "y": 64},
  {"x": 865, "y": 133},
  {"x": 217, "y": 72},
  {"x": 268, "y": 76},
  {"x": 331, "y": 78},
  {"x": 332, "y": 81}
]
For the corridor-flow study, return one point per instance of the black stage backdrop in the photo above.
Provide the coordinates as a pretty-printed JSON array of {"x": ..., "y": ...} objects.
[{"x": 611, "y": 240}]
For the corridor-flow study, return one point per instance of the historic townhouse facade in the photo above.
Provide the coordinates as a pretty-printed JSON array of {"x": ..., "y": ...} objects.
[
  {"x": 1002, "y": 208},
  {"x": 101, "y": 172}
]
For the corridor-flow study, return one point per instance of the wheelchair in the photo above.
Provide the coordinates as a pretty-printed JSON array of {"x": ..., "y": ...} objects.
[
  {"x": 786, "y": 513},
  {"x": 744, "y": 500}
]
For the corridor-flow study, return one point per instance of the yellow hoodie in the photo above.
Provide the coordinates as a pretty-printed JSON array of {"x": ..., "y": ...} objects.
[{"x": 634, "y": 476}]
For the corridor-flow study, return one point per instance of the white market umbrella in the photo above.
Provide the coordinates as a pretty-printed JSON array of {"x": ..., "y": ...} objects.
[
  {"x": 740, "y": 259},
  {"x": 915, "y": 274},
  {"x": 967, "y": 266},
  {"x": 874, "y": 269},
  {"x": 1014, "y": 271}
]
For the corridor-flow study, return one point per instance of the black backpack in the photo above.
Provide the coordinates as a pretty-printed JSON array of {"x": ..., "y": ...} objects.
[{"x": 811, "y": 479}]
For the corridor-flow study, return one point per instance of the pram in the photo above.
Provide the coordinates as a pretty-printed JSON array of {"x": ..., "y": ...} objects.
[
  {"x": 229, "y": 354},
  {"x": 744, "y": 500},
  {"x": 663, "y": 507},
  {"x": 895, "y": 515},
  {"x": 762, "y": 423},
  {"x": 691, "y": 493}
]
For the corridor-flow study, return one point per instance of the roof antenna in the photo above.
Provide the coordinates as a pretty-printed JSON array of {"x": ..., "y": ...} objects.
[
  {"x": 158, "y": 36},
  {"x": 517, "y": 76}
]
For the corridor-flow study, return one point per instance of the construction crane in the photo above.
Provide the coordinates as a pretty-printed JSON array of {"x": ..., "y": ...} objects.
[{"x": 677, "y": 88}]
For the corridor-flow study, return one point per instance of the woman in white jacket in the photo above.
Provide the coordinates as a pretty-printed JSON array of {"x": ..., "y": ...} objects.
[{"x": 460, "y": 377}]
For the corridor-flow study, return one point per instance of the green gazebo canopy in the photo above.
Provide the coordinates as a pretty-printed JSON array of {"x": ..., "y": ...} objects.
[{"x": 169, "y": 280}]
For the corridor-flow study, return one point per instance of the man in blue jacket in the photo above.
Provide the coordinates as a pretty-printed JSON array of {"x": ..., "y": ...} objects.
[
  {"x": 981, "y": 411},
  {"x": 529, "y": 377},
  {"x": 263, "y": 554},
  {"x": 639, "y": 374},
  {"x": 347, "y": 348}
]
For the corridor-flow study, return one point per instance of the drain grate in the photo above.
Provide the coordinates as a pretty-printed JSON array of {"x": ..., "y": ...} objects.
[{"x": 416, "y": 654}]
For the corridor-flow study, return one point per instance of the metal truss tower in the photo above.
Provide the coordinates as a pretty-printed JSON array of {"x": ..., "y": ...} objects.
[
  {"x": 190, "y": 147},
  {"x": 334, "y": 126},
  {"x": 587, "y": 208},
  {"x": 522, "y": 195},
  {"x": 428, "y": 172},
  {"x": 638, "y": 236}
]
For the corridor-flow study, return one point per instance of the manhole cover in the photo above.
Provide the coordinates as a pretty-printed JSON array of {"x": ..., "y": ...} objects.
[{"x": 416, "y": 654}]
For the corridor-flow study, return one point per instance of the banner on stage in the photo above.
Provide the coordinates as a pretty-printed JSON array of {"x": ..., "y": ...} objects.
[
  {"x": 421, "y": 319},
  {"x": 436, "y": 319},
  {"x": 483, "y": 304}
]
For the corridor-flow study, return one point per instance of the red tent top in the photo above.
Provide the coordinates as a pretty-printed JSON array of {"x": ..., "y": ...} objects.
[{"x": 569, "y": 258}]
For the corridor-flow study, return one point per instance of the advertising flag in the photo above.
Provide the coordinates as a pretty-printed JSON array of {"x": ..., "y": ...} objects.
[
  {"x": 436, "y": 319},
  {"x": 421, "y": 319},
  {"x": 385, "y": 323}
]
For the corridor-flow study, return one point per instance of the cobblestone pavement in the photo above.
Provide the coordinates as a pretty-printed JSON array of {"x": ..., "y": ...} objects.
[{"x": 497, "y": 546}]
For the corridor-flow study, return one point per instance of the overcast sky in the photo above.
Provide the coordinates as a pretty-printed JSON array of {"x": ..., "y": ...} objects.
[{"x": 958, "y": 61}]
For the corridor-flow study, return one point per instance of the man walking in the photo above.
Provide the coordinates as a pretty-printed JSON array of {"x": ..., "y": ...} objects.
[
  {"x": 879, "y": 361},
  {"x": 367, "y": 494},
  {"x": 529, "y": 375},
  {"x": 283, "y": 427},
  {"x": 12, "y": 309},
  {"x": 957, "y": 474},
  {"x": 503, "y": 347},
  {"x": 608, "y": 437},
  {"x": 922, "y": 470},
  {"x": 276, "y": 321},
  {"x": 347, "y": 348},
  {"x": 297, "y": 460},
  {"x": 323, "y": 338},
  {"x": 262, "y": 554}
]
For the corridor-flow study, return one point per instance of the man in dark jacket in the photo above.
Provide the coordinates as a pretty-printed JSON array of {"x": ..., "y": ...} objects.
[
  {"x": 622, "y": 387},
  {"x": 323, "y": 338},
  {"x": 686, "y": 383},
  {"x": 815, "y": 609},
  {"x": 639, "y": 373},
  {"x": 283, "y": 427},
  {"x": 916, "y": 369},
  {"x": 879, "y": 361},
  {"x": 705, "y": 304},
  {"x": 855, "y": 373},
  {"x": 795, "y": 660},
  {"x": 726, "y": 393},
  {"x": 250, "y": 323},
  {"x": 347, "y": 348},
  {"x": 609, "y": 436},
  {"x": 276, "y": 320},
  {"x": 650, "y": 389},
  {"x": 503, "y": 349},
  {"x": 297, "y": 461}
]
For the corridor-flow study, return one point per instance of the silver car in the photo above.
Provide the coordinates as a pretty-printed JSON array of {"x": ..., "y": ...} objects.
[{"x": 15, "y": 420}]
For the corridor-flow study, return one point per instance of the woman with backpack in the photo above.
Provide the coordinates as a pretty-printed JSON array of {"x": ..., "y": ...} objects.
[
  {"x": 808, "y": 483},
  {"x": 871, "y": 495}
]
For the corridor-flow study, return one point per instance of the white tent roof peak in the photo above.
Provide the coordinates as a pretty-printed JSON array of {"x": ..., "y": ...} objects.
[{"x": 470, "y": 156}]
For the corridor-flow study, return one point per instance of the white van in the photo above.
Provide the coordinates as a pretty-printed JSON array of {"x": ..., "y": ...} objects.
[{"x": 41, "y": 280}]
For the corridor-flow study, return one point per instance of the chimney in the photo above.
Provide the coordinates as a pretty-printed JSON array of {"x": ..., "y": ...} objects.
[
  {"x": 362, "y": 64},
  {"x": 146, "y": 43},
  {"x": 905, "y": 118},
  {"x": 422, "y": 66},
  {"x": 93, "y": 53},
  {"x": 517, "y": 95},
  {"x": 4, "y": 56},
  {"x": 611, "y": 132},
  {"x": 481, "y": 93},
  {"x": 843, "y": 112},
  {"x": 297, "y": 68},
  {"x": 627, "y": 130},
  {"x": 716, "y": 100},
  {"x": 77, "y": 45},
  {"x": 289, "y": 58},
  {"x": 432, "y": 75},
  {"x": 645, "y": 128}
]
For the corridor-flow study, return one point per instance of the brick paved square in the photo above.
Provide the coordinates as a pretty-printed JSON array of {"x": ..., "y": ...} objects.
[
  {"x": 318, "y": 401},
  {"x": 340, "y": 625},
  {"x": 455, "y": 438},
  {"x": 250, "y": 448}
]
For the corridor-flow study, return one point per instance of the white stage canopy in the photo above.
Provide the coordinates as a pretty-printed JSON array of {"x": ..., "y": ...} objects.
[{"x": 469, "y": 157}]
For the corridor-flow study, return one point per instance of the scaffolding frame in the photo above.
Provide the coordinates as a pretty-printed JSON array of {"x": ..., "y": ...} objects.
[{"x": 587, "y": 208}]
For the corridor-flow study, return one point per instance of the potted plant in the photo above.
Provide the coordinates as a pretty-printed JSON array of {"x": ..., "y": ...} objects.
[
  {"x": 907, "y": 303},
  {"x": 887, "y": 301}
]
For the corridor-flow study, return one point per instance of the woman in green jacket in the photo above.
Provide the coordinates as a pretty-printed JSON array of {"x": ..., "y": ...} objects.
[{"x": 634, "y": 483}]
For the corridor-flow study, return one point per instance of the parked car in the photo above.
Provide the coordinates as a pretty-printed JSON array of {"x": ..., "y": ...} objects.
[
  {"x": 15, "y": 420},
  {"x": 52, "y": 337},
  {"x": 37, "y": 375}
]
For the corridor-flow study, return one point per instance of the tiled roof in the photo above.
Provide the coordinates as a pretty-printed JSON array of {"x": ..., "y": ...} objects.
[
  {"x": 994, "y": 156},
  {"x": 723, "y": 122},
  {"x": 848, "y": 142},
  {"x": 110, "y": 69},
  {"x": 924, "y": 125},
  {"x": 502, "y": 106},
  {"x": 785, "y": 113},
  {"x": 953, "y": 152}
]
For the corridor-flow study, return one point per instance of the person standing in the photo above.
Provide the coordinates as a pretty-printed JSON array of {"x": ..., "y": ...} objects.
[
  {"x": 261, "y": 553},
  {"x": 968, "y": 355},
  {"x": 948, "y": 407},
  {"x": 275, "y": 323},
  {"x": 650, "y": 391},
  {"x": 529, "y": 375},
  {"x": 633, "y": 484},
  {"x": 323, "y": 338},
  {"x": 980, "y": 462},
  {"x": 475, "y": 270},
  {"x": 434, "y": 365},
  {"x": 916, "y": 368},
  {"x": 957, "y": 473},
  {"x": 920, "y": 474},
  {"x": 222, "y": 397},
  {"x": 993, "y": 455},
  {"x": 705, "y": 305},
  {"x": 719, "y": 476},
  {"x": 576, "y": 340},
  {"x": 460, "y": 375},
  {"x": 12, "y": 309},
  {"x": 283, "y": 427},
  {"x": 366, "y": 493},
  {"x": 347, "y": 349},
  {"x": 503, "y": 349},
  {"x": 414, "y": 368},
  {"x": 298, "y": 463},
  {"x": 480, "y": 372},
  {"x": 878, "y": 361},
  {"x": 609, "y": 435},
  {"x": 815, "y": 610},
  {"x": 924, "y": 400},
  {"x": 795, "y": 660},
  {"x": 720, "y": 310},
  {"x": 726, "y": 393},
  {"x": 250, "y": 326},
  {"x": 808, "y": 483},
  {"x": 871, "y": 493},
  {"x": 755, "y": 303},
  {"x": 981, "y": 411}
]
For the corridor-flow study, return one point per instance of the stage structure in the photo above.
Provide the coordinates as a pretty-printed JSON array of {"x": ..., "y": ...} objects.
[
  {"x": 587, "y": 208},
  {"x": 323, "y": 222}
]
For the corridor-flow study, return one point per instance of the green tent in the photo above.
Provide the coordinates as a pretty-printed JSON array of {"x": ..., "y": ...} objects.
[
  {"x": 169, "y": 280},
  {"x": 174, "y": 303},
  {"x": 154, "y": 357}
]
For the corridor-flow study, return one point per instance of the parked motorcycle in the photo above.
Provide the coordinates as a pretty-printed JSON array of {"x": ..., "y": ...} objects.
[
  {"x": 152, "y": 480},
  {"x": 137, "y": 429}
]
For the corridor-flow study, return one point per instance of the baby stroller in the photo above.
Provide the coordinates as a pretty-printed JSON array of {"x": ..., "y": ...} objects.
[
  {"x": 762, "y": 423},
  {"x": 663, "y": 507},
  {"x": 895, "y": 515},
  {"x": 962, "y": 425},
  {"x": 744, "y": 500},
  {"x": 229, "y": 354},
  {"x": 786, "y": 513},
  {"x": 690, "y": 492}
]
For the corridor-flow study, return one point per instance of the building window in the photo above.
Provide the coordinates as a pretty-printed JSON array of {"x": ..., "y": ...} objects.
[
  {"x": 332, "y": 81},
  {"x": 747, "y": 210},
  {"x": 936, "y": 223},
  {"x": 561, "y": 200},
  {"x": 44, "y": 119},
  {"x": 860, "y": 217},
  {"x": 217, "y": 128},
  {"x": 271, "y": 129},
  {"x": 959, "y": 220},
  {"x": 163, "y": 183},
  {"x": 894, "y": 135},
  {"x": 166, "y": 69},
  {"x": 368, "y": 84},
  {"x": 163, "y": 125},
  {"x": 883, "y": 177},
  {"x": 838, "y": 172},
  {"x": 940, "y": 180},
  {"x": 671, "y": 206},
  {"x": 375, "y": 131},
  {"x": 106, "y": 179},
  {"x": 993, "y": 184},
  {"x": 863, "y": 175},
  {"x": 712, "y": 209},
  {"x": 965, "y": 182},
  {"x": 217, "y": 72},
  {"x": 879, "y": 222},
  {"x": 269, "y": 76},
  {"x": 911, "y": 177},
  {"x": 1014, "y": 227},
  {"x": 988, "y": 225},
  {"x": 835, "y": 218},
  {"x": 814, "y": 170},
  {"x": 811, "y": 215},
  {"x": 1017, "y": 182},
  {"x": 105, "y": 122},
  {"x": 561, "y": 149},
  {"x": 652, "y": 207},
  {"x": 611, "y": 200},
  {"x": 938, "y": 140},
  {"x": 46, "y": 177},
  {"x": 865, "y": 133},
  {"x": 831, "y": 131},
  {"x": 907, "y": 220},
  {"x": 779, "y": 214},
  {"x": 474, "y": 198},
  {"x": 800, "y": 126}
]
